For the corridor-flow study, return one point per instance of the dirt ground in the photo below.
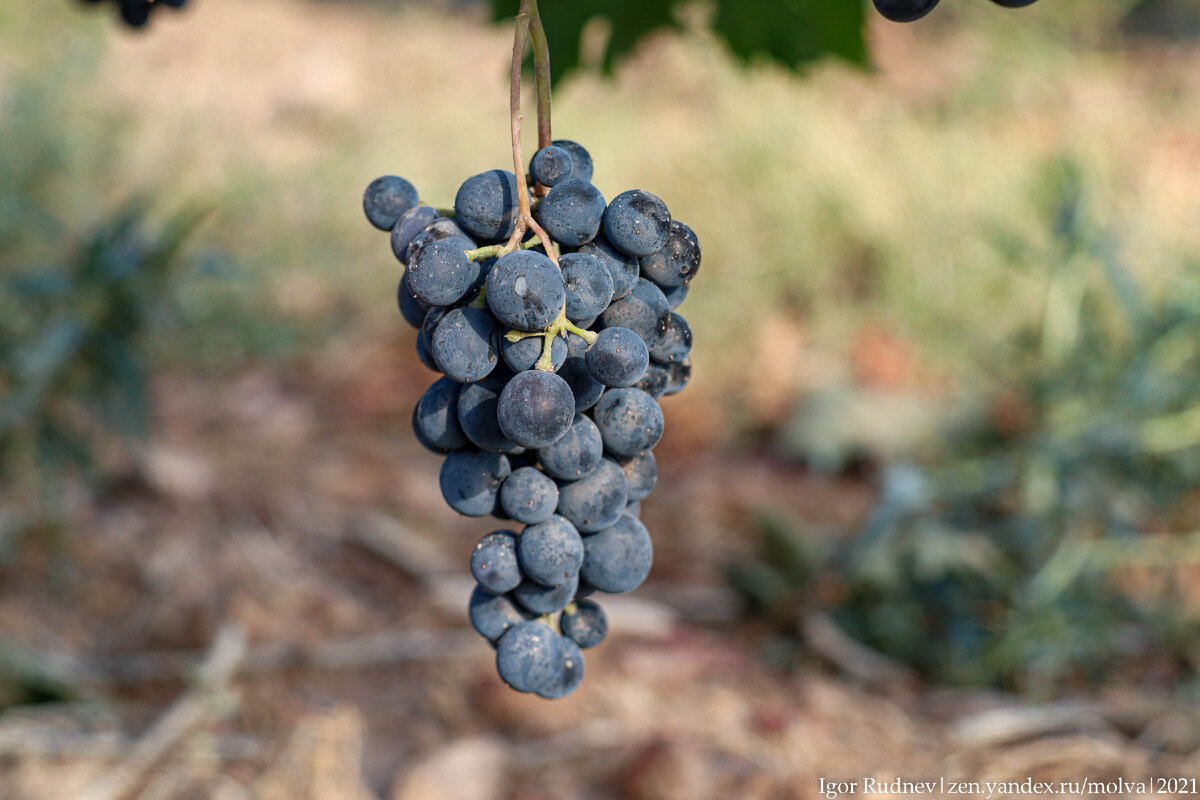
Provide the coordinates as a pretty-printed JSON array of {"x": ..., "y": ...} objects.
[{"x": 271, "y": 605}]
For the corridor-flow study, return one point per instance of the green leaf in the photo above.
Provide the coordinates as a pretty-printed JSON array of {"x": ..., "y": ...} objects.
[
  {"x": 791, "y": 32},
  {"x": 564, "y": 21}
]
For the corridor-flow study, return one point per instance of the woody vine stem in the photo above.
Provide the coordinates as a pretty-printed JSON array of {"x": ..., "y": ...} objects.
[{"x": 529, "y": 29}]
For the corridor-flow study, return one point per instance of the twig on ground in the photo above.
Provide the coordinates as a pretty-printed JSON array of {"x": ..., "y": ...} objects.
[
  {"x": 997, "y": 727},
  {"x": 388, "y": 538},
  {"x": 188, "y": 713},
  {"x": 854, "y": 658},
  {"x": 354, "y": 652}
]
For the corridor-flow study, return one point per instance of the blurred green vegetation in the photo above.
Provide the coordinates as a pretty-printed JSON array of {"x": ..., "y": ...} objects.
[
  {"x": 73, "y": 344},
  {"x": 831, "y": 200},
  {"x": 793, "y": 34},
  {"x": 1056, "y": 540},
  {"x": 83, "y": 289}
]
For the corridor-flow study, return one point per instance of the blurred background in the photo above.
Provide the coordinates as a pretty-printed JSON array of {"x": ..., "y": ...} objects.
[{"x": 929, "y": 506}]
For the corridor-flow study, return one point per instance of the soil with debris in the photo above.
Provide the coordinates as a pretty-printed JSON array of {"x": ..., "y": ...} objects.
[{"x": 272, "y": 605}]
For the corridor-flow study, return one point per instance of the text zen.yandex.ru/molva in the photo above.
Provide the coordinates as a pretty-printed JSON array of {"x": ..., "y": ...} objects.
[{"x": 832, "y": 789}]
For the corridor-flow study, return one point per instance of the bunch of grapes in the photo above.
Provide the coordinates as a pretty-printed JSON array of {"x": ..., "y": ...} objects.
[
  {"x": 547, "y": 411},
  {"x": 136, "y": 13},
  {"x": 912, "y": 10}
]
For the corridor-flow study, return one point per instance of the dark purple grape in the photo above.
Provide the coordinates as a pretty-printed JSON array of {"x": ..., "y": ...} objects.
[{"x": 904, "y": 10}]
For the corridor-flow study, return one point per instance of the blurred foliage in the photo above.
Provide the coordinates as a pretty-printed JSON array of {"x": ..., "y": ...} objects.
[
  {"x": 30, "y": 678},
  {"x": 77, "y": 305},
  {"x": 1177, "y": 19},
  {"x": 792, "y": 32},
  {"x": 1054, "y": 540},
  {"x": 73, "y": 338}
]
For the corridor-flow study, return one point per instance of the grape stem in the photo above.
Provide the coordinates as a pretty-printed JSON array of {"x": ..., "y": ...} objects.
[
  {"x": 529, "y": 27},
  {"x": 541, "y": 78},
  {"x": 561, "y": 326},
  {"x": 480, "y": 253},
  {"x": 525, "y": 220}
]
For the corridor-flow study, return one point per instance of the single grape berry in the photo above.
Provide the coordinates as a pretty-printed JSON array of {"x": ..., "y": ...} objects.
[
  {"x": 576, "y": 453},
  {"x": 486, "y": 204},
  {"x": 536, "y": 408},
  {"x": 904, "y": 10},
  {"x": 589, "y": 286},
  {"x": 435, "y": 418},
  {"x": 677, "y": 262},
  {"x": 135, "y": 13},
  {"x": 618, "y": 357},
  {"x": 386, "y": 199},
  {"x": 585, "y": 388},
  {"x": 441, "y": 228},
  {"x": 551, "y": 552},
  {"x": 539, "y": 599},
  {"x": 676, "y": 295},
  {"x": 477, "y": 404},
  {"x": 433, "y": 318},
  {"x": 464, "y": 345},
  {"x": 645, "y": 311},
  {"x": 570, "y": 673},
  {"x": 595, "y": 501},
  {"x": 493, "y": 614},
  {"x": 629, "y": 420},
  {"x": 470, "y": 481},
  {"x": 585, "y": 624},
  {"x": 678, "y": 375},
  {"x": 617, "y": 559},
  {"x": 581, "y": 160},
  {"x": 571, "y": 212},
  {"x": 424, "y": 356},
  {"x": 412, "y": 309},
  {"x": 411, "y": 223},
  {"x": 655, "y": 381},
  {"x": 529, "y": 657},
  {"x": 637, "y": 222},
  {"x": 494, "y": 562},
  {"x": 529, "y": 495},
  {"x": 622, "y": 268},
  {"x": 1014, "y": 3},
  {"x": 525, "y": 290},
  {"x": 675, "y": 344},
  {"x": 440, "y": 273},
  {"x": 641, "y": 473},
  {"x": 550, "y": 166}
]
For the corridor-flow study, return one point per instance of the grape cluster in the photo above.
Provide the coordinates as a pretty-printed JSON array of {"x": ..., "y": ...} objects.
[
  {"x": 912, "y": 10},
  {"x": 547, "y": 409},
  {"x": 136, "y": 13}
]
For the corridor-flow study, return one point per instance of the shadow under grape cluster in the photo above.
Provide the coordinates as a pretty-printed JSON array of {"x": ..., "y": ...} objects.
[
  {"x": 547, "y": 411},
  {"x": 136, "y": 13}
]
